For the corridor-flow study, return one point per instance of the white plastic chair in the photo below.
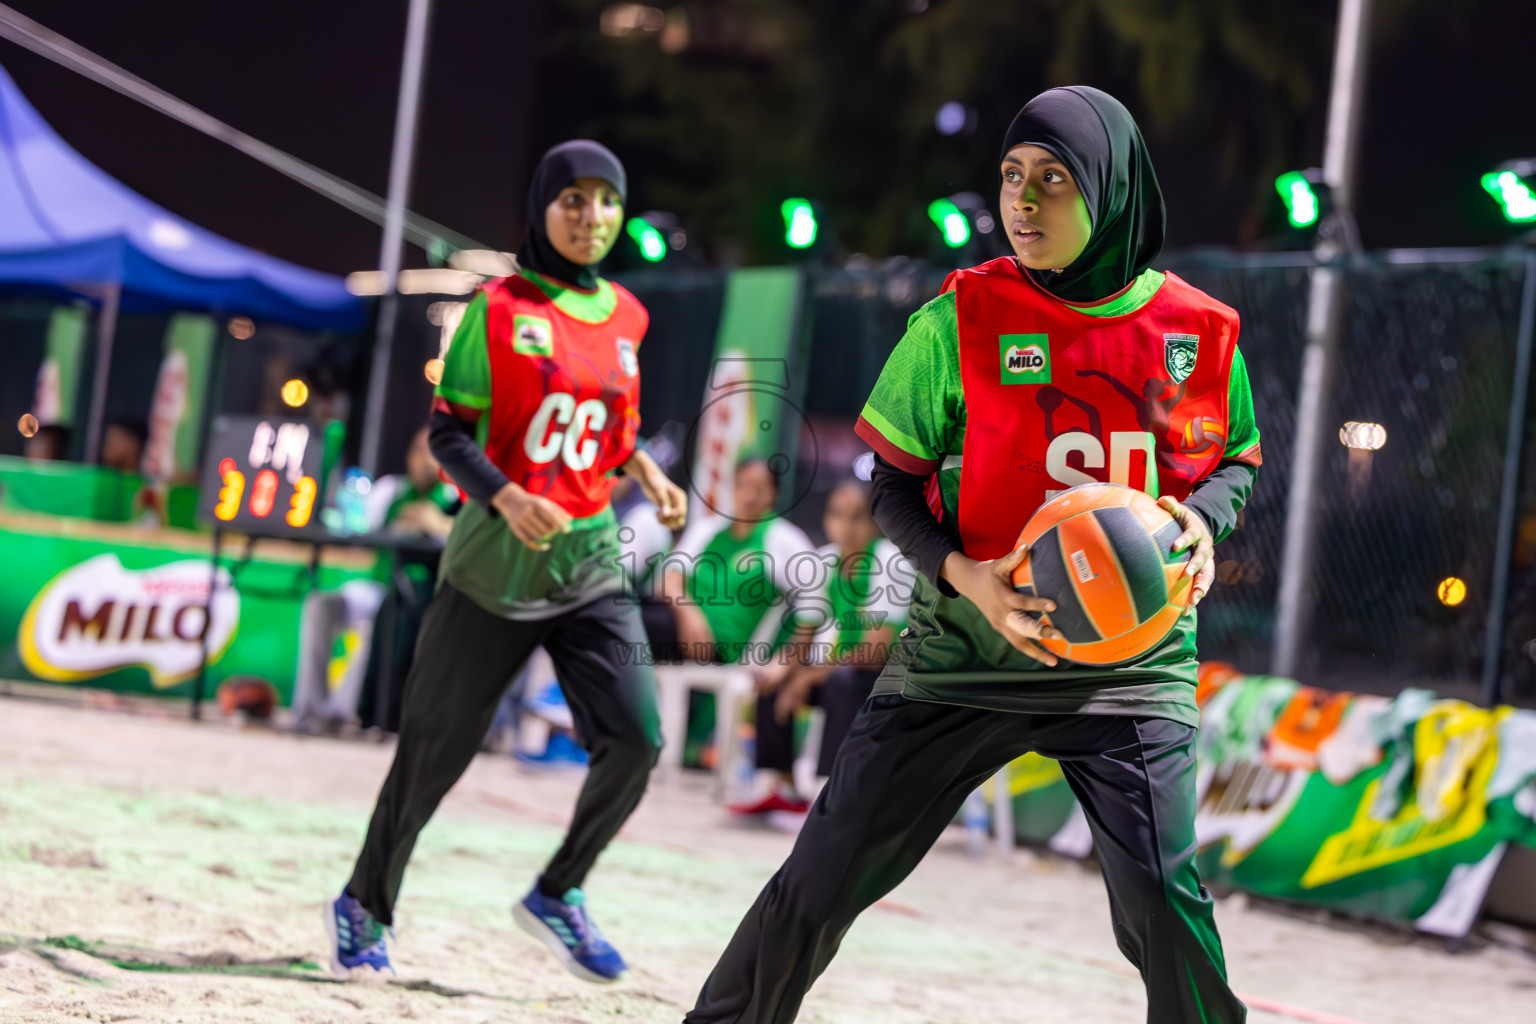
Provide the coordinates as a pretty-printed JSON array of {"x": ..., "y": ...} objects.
[{"x": 732, "y": 687}]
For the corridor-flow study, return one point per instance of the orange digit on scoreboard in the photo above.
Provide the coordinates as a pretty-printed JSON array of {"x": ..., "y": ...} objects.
[
  {"x": 231, "y": 492},
  {"x": 303, "y": 501},
  {"x": 264, "y": 493}
]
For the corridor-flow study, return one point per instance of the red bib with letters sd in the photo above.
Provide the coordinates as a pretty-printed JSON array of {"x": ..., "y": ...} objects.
[
  {"x": 565, "y": 394},
  {"x": 1055, "y": 397}
]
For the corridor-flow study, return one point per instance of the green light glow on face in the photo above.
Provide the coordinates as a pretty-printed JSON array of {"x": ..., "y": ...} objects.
[
  {"x": 799, "y": 223},
  {"x": 1512, "y": 194},
  {"x": 1300, "y": 200},
  {"x": 951, "y": 223},
  {"x": 652, "y": 246}
]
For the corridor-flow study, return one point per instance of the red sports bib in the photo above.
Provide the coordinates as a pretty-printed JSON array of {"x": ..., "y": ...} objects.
[
  {"x": 1055, "y": 397},
  {"x": 565, "y": 394}
]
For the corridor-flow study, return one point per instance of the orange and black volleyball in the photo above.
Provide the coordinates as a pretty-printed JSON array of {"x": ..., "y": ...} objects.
[{"x": 1104, "y": 554}]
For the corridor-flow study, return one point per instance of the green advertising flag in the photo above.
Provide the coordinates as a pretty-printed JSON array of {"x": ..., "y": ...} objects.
[
  {"x": 59, "y": 375},
  {"x": 751, "y": 406},
  {"x": 175, "y": 417}
]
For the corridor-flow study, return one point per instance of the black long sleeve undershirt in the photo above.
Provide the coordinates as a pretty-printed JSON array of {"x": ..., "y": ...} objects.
[
  {"x": 454, "y": 447},
  {"x": 898, "y": 501}
]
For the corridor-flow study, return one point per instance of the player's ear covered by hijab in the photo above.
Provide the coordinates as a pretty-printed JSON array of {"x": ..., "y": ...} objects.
[
  {"x": 1096, "y": 137},
  {"x": 560, "y": 168}
]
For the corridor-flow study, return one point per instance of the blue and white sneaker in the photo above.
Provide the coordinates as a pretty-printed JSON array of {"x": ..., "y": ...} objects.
[
  {"x": 357, "y": 940},
  {"x": 570, "y": 933}
]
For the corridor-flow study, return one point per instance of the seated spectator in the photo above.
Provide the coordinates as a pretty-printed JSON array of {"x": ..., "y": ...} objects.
[
  {"x": 122, "y": 445},
  {"x": 725, "y": 576},
  {"x": 726, "y": 583},
  {"x": 336, "y": 639},
  {"x": 864, "y": 606},
  {"x": 419, "y": 501},
  {"x": 49, "y": 444}
]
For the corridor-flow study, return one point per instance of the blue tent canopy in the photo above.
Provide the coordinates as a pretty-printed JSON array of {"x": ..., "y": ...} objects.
[{"x": 67, "y": 225}]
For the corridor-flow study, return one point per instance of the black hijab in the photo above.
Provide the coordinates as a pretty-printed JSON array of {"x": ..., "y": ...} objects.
[
  {"x": 561, "y": 166},
  {"x": 1090, "y": 132}
]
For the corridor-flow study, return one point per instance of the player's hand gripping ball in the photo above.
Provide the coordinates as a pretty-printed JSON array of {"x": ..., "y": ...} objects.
[{"x": 1106, "y": 554}]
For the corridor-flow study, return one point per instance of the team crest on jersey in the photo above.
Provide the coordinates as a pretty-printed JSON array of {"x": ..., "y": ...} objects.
[
  {"x": 531, "y": 336},
  {"x": 627, "y": 358},
  {"x": 1179, "y": 351},
  {"x": 1026, "y": 358}
]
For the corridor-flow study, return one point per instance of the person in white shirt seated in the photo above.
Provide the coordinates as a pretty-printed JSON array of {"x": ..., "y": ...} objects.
[
  {"x": 729, "y": 584},
  {"x": 863, "y": 607}
]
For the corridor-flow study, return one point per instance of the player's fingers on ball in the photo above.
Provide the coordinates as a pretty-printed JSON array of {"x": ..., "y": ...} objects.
[
  {"x": 1037, "y": 652},
  {"x": 1003, "y": 567},
  {"x": 1203, "y": 559},
  {"x": 1204, "y": 581},
  {"x": 1028, "y": 603}
]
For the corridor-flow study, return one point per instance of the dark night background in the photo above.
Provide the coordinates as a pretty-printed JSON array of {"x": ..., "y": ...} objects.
[{"x": 767, "y": 98}]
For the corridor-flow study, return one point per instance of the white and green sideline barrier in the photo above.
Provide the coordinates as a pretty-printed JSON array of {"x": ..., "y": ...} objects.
[{"x": 1404, "y": 809}]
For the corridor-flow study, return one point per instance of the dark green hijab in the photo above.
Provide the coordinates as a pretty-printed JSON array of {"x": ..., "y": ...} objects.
[{"x": 1096, "y": 137}]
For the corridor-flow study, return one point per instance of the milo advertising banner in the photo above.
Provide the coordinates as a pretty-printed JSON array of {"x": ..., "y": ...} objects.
[
  {"x": 116, "y": 607},
  {"x": 1396, "y": 808},
  {"x": 752, "y": 397}
]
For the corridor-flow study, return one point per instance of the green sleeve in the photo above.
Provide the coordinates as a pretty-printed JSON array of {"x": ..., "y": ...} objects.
[
  {"x": 467, "y": 366},
  {"x": 1242, "y": 431},
  {"x": 916, "y": 414},
  {"x": 1221, "y": 496}
]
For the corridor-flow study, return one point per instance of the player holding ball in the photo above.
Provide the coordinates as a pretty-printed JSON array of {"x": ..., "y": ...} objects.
[
  {"x": 1068, "y": 363},
  {"x": 539, "y": 402}
]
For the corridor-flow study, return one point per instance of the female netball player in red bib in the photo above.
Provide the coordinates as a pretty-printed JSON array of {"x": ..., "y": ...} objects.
[
  {"x": 538, "y": 403},
  {"x": 1126, "y": 358}
]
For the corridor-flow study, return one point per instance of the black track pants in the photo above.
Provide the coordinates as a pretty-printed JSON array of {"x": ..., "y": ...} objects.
[
  {"x": 465, "y": 658},
  {"x": 900, "y": 778}
]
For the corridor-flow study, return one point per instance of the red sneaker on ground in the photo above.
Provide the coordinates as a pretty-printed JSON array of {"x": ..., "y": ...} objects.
[{"x": 775, "y": 801}]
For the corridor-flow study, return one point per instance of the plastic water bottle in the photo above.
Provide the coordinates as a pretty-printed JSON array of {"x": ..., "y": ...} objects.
[
  {"x": 974, "y": 816},
  {"x": 745, "y": 768},
  {"x": 352, "y": 501}
]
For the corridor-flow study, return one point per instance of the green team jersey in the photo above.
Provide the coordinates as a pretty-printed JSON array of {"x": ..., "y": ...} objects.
[
  {"x": 864, "y": 593},
  {"x": 744, "y": 586},
  {"x": 916, "y": 414}
]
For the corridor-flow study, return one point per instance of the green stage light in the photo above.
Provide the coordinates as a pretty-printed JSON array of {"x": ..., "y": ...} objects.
[
  {"x": 951, "y": 223},
  {"x": 652, "y": 246},
  {"x": 1299, "y": 197},
  {"x": 799, "y": 223},
  {"x": 1513, "y": 195}
]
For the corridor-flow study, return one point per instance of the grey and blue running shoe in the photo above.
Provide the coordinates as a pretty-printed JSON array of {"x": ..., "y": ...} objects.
[
  {"x": 566, "y": 928},
  {"x": 357, "y": 940}
]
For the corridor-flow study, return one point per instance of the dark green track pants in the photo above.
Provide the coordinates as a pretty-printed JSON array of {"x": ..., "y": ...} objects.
[
  {"x": 900, "y": 779},
  {"x": 465, "y": 658}
]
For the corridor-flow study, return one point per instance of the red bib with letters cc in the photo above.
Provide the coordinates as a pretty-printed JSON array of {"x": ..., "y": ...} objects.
[
  {"x": 1055, "y": 397},
  {"x": 565, "y": 394}
]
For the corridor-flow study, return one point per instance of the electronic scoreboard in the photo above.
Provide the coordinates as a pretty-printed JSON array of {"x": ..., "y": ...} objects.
[{"x": 266, "y": 472}]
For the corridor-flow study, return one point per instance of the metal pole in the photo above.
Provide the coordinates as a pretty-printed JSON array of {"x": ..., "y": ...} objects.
[
  {"x": 1493, "y": 640},
  {"x": 106, "y": 328},
  {"x": 1325, "y": 310},
  {"x": 200, "y": 681},
  {"x": 400, "y": 162}
]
